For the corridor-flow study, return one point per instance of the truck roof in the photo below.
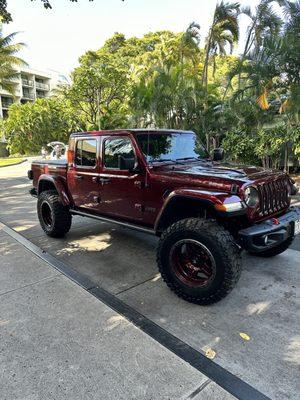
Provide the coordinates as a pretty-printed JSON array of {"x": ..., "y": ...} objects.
[{"x": 118, "y": 131}]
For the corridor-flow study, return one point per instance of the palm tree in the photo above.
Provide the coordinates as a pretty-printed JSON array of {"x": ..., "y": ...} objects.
[
  {"x": 271, "y": 73},
  {"x": 264, "y": 22},
  {"x": 224, "y": 31},
  {"x": 289, "y": 57},
  {"x": 189, "y": 46},
  {"x": 9, "y": 60}
]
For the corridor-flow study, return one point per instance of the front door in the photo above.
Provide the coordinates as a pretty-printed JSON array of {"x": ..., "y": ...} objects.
[
  {"x": 120, "y": 190},
  {"x": 83, "y": 174}
]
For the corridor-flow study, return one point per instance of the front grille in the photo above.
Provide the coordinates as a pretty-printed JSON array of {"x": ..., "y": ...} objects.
[{"x": 273, "y": 196}]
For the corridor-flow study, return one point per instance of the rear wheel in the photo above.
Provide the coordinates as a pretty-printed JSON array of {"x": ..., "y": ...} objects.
[
  {"x": 199, "y": 260},
  {"x": 54, "y": 217},
  {"x": 274, "y": 251}
]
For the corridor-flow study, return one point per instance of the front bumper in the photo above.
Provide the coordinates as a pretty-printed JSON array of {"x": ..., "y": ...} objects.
[{"x": 267, "y": 234}]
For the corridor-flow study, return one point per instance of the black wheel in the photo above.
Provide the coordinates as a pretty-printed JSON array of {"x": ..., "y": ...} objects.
[
  {"x": 199, "y": 260},
  {"x": 274, "y": 251},
  {"x": 54, "y": 217}
]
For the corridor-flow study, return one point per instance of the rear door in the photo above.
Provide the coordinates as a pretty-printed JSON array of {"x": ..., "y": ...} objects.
[
  {"x": 83, "y": 174},
  {"x": 121, "y": 191}
]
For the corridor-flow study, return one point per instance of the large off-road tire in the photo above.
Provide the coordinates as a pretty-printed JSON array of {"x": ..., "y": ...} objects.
[
  {"x": 199, "y": 260},
  {"x": 54, "y": 217},
  {"x": 274, "y": 251}
]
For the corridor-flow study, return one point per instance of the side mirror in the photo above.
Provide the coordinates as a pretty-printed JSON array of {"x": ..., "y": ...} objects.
[
  {"x": 218, "y": 154},
  {"x": 126, "y": 164}
]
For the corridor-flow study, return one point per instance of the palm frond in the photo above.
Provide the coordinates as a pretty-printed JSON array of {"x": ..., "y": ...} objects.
[{"x": 9, "y": 60}]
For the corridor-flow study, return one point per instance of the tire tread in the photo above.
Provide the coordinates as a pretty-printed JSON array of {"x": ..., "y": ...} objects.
[
  {"x": 230, "y": 251},
  {"x": 63, "y": 218}
]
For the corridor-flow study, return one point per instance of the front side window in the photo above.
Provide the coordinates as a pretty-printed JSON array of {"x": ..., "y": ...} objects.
[
  {"x": 86, "y": 153},
  {"x": 115, "y": 148}
]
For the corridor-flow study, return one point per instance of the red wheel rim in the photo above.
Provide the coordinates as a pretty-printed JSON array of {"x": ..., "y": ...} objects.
[
  {"x": 192, "y": 263},
  {"x": 47, "y": 214}
]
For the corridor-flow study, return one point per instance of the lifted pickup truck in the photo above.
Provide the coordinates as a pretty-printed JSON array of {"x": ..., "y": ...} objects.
[{"x": 164, "y": 182}]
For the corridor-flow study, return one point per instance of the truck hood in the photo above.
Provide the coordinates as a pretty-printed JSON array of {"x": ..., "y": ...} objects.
[{"x": 242, "y": 173}]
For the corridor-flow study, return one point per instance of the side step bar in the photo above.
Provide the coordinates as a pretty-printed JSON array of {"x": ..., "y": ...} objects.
[{"x": 113, "y": 221}]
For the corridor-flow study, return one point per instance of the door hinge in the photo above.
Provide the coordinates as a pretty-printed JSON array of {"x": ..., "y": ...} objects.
[
  {"x": 97, "y": 199},
  {"x": 139, "y": 184}
]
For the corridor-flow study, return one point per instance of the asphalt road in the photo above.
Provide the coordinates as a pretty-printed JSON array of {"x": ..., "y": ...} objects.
[{"x": 265, "y": 304}]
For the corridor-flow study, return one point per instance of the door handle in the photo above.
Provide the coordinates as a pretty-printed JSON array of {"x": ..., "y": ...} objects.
[
  {"x": 79, "y": 177},
  {"x": 104, "y": 181},
  {"x": 95, "y": 179}
]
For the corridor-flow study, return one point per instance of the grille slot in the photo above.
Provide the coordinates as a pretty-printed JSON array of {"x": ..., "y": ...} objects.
[{"x": 273, "y": 196}]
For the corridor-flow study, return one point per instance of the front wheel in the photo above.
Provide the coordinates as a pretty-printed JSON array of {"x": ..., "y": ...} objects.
[
  {"x": 199, "y": 260},
  {"x": 54, "y": 217}
]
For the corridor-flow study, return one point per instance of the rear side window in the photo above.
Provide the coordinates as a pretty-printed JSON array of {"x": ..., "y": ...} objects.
[
  {"x": 86, "y": 153},
  {"x": 115, "y": 147}
]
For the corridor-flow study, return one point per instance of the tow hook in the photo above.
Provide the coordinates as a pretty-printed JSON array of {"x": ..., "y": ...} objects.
[{"x": 275, "y": 221}]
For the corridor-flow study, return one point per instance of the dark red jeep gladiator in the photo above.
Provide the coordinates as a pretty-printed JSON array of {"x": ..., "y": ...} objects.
[{"x": 164, "y": 182}]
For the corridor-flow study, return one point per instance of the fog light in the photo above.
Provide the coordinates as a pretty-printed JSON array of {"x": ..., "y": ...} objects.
[{"x": 266, "y": 240}]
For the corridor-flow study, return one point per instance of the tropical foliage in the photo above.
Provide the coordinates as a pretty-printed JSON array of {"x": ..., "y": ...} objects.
[
  {"x": 32, "y": 125},
  {"x": 9, "y": 60},
  {"x": 248, "y": 103}
]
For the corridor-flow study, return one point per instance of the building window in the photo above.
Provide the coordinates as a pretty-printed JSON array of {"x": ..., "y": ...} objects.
[
  {"x": 40, "y": 94},
  {"x": 5, "y": 114},
  {"x": 6, "y": 101}
]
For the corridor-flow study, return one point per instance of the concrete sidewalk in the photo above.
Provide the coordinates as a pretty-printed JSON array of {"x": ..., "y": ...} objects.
[{"x": 57, "y": 341}]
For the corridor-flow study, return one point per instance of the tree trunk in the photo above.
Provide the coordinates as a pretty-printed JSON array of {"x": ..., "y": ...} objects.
[
  {"x": 205, "y": 68},
  {"x": 246, "y": 49},
  {"x": 286, "y": 157}
]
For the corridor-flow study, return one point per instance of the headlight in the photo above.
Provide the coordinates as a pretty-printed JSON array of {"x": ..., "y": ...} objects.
[{"x": 251, "y": 196}]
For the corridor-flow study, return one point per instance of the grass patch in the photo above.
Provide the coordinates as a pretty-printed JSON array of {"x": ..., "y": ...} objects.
[{"x": 10, "y": 161}]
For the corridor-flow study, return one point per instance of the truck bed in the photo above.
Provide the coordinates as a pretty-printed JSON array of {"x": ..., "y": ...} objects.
[
  {"x": 52, "y": 167},
  {"x": 51, "y": 162}
]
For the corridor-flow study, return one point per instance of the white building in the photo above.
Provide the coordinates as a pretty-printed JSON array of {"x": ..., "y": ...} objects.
[{"x": 30, "y": 84}]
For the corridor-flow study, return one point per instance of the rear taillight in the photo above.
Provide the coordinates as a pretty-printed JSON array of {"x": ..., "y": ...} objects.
[
  {"x": 30, "y": 174},
  {"x": 69, "y": 156}
]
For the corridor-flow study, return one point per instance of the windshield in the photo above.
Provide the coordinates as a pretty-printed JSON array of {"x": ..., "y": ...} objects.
[{"x": 171, "y": 146}]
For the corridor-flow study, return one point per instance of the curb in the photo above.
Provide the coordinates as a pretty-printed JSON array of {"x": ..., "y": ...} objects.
[{"x": 11, "y": 165}]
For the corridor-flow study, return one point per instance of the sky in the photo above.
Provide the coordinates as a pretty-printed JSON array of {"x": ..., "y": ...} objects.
[{"x": 56, "y": 38}]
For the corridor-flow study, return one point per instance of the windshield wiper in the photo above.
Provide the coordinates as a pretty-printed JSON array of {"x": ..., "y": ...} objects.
[
  {"x": 194, "y": 158},
  {"x": 167, "y": 160},
  {"x": 162, "y": 160},
  {"x": 187, "y": 158}
]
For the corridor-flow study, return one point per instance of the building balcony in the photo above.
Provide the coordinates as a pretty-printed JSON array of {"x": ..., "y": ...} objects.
[
  {"x": 27, "y": 82},
  {"x": 28, "y": 96},
  {"x": 14, "y": 81},
  {"x": 42, "y": 86}
]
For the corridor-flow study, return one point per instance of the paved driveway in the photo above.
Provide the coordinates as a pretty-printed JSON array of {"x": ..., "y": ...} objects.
[{"x": 264, "y": 305}]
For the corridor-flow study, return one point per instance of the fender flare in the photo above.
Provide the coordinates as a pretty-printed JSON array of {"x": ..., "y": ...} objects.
[
  {"x": 209, "y": 198},
  {"x": 60, "y": 185}
]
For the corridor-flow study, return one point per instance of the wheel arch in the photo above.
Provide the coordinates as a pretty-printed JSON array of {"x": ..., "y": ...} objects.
[
  {"x": 48, "y": 182},
  {"x": 180, "y": 206}
]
